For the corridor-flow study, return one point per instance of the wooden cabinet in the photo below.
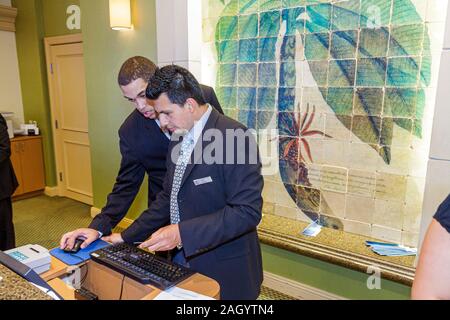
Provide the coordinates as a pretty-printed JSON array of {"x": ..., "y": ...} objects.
[{"x": 28, "y": 163}]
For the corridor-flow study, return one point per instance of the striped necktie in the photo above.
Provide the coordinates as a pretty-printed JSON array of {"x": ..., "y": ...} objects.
[{"x": 183, "y": 160}]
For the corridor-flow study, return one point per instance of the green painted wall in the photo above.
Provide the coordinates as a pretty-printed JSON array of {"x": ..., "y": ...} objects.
[
  {"x": 105, "y": 50},
  {"x": 55, "y": 17},
  {"x": 341, "y": 281},
  {"x": 31, "y": 55},
  {"x": 37, "y": 19}
]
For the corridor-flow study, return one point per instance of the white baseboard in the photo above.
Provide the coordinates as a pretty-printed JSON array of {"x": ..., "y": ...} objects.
[
  {"x": 95, "y": 211},
  {"x": 51, "y": 191},
  {"x": 296, "y": 289}
]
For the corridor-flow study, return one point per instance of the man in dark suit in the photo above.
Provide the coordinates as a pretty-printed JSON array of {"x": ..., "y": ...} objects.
[
  {"x": 208, "y": 211},
  {"x": 143, "y": 146},
  {"x": 8, "y": 185}
]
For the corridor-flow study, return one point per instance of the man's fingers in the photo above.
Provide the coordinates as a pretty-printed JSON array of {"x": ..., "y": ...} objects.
[
  {"x": 114, "y": 238},
  {"x": 157, "y": 247},
  {"x": 157, "y": 243},
  {"x": 145, "y": 244},
  {"x": 68, "y": 239},
  {"x": 71, "y": 241},
  {"x": 157, "y": 233},
  {"x": 150, "y": 242},
  {"x": 63, "y": 241},
  {"x": 88, "y": 241},
  {"x": 162, "y": 240},
  {"x": 154, "y": 238}
]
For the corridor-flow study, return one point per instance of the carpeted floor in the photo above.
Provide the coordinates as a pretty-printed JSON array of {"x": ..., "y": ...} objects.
[
  {"x": 269, "y": 294},
  {"x": 43, "y": 220}
]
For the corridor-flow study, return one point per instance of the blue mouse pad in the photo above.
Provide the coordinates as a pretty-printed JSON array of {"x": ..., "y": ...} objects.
[{"x": 81, "y": 256}]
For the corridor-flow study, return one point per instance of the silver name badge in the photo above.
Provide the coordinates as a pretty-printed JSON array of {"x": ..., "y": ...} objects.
[{"x": 199, "y": 182}]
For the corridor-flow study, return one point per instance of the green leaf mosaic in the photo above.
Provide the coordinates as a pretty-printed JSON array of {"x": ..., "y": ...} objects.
[
  {"x": 343, "y": 44},
  {"x": 317, "y": 46},
  {"x": 248, "y": 26},
  {"x": 373, "y": 42},
  {"x": 353, "y": 72},
  {"x": 346, "y": 15}
]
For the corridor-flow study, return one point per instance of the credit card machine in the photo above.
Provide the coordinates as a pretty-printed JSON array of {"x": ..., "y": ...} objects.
[{"x": 32, "y": 255}]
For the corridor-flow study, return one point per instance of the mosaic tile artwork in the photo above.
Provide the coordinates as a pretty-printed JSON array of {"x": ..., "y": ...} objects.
[{"x": 349, "y": 86}]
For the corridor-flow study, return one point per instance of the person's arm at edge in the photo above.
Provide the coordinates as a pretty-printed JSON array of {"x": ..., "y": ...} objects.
[
  {"x": 432, "y": 279},
  {"x": 5, "y": 144}
]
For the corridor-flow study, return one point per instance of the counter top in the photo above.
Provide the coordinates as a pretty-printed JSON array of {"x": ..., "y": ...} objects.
[
  {"x": 22, "y": 138},
  {"x": 334, "y": 246},
  {"x": 14, "y": 287}
]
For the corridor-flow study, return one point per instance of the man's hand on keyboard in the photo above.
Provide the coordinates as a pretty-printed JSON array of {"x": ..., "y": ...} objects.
[
  {"x": 114, "y": 238},
  {"x": 164, "y": 239}
]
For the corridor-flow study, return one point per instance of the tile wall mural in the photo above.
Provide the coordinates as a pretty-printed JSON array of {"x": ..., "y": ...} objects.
[{"x": 350, "y": 88}]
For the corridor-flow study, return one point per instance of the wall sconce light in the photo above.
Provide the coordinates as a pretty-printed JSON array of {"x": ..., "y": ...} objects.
[{"x": 120, "y": 14}]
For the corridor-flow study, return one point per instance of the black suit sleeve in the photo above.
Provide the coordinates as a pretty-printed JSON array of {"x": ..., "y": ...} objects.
[
  {"x": 128, "y": 182},
  {"x": 5, "y": 144},
  {"x": 211, "y": 98},
  {"x": 242, "y": 213},
  {"x": 155, "y": 217},
  {"x": 443, "y": 214}
]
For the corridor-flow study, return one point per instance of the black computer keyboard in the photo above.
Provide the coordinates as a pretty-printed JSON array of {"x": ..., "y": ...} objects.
[{"x": 141, "y": 265}]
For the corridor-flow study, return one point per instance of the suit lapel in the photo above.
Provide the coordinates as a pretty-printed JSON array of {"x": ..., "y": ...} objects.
[
  {"x": 151, "y": 125},
  {"x": 197, "y": 153}
]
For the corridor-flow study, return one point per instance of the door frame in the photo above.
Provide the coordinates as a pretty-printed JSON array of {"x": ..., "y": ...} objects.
[{"x": 48, "y": 43}]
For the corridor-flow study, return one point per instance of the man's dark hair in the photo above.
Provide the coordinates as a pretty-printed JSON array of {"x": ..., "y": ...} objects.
[
  {"x": 135, "y": 68},
  {"x": 177, "y": 82}
]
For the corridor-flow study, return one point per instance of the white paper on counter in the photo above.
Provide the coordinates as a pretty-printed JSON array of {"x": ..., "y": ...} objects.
[{"x": 176, "y": 293}]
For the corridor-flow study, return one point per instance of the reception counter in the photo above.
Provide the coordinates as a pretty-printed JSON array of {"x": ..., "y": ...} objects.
[{"x": 106, "y": 283}]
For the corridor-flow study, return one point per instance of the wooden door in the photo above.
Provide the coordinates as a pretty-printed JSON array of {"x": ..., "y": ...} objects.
[{"x": 70, "y": 115}]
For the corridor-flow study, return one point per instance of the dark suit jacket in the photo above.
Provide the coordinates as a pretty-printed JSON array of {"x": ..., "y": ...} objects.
[
  {"x": 144, "y": 148},
  {"x": 218, "y": 220},
  {"x": 8, "y": 181}
]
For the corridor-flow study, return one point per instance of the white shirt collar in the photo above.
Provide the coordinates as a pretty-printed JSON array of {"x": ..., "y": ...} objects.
[
  {"x": 198, "y": 127},
  {"x": 164, "y": 131}
]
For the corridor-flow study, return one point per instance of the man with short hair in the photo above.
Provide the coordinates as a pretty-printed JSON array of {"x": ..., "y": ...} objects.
[
  {"x": 206, "y": 214},
  {"x": 143, "y": 146},
  {"x": 8, "y": 184}
]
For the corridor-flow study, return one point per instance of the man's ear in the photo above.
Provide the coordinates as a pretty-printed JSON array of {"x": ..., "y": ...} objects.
[
  {"x": 188, "y": 106},
  {"x": 191, "y": 103}
]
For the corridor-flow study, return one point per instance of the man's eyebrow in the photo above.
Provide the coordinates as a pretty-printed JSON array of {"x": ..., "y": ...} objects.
[{"x": 139, "y": 95}]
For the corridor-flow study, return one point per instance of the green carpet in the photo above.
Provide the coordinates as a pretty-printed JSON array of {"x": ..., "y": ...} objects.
[
  {"x": 270, "y": 294},
  {"x": 43, "y": 220}
]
